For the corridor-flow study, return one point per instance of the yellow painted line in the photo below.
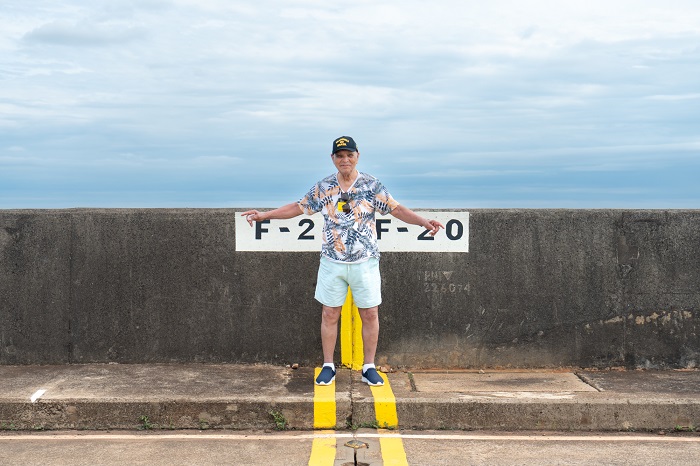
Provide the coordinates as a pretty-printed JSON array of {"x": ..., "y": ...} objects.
[
  {"x": 323, "y": 450},
  {"x": 358, "y": 352},
  {"x": 351, "y": 348},
  {"x": 385, "y": 404},
  {"x": 352, "y": 355},
  {"x": 346, "y": 332},
  {"x": 393, "y": 453},
  {"x": 324, "y": 404}
]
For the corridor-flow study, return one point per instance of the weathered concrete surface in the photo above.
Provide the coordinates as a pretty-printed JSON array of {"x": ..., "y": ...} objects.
[
  {"x": 422, "y": 448},
  {"x": 148, "y": 286},
  {"x": 538, "y": 401},
  {"x": 35, "y": 249},
  {"x": 230, "y": 396},
  {"x": 503, "y": 382},
  {"x": 157, "y": 448},
  {"x": 539, "y": 288},
  {"x": 193, "y": 396},
  {"x": 551, "y": 288}
]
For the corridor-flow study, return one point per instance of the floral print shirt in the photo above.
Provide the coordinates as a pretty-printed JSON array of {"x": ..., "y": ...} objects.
[{"x": 349, "y": 237}]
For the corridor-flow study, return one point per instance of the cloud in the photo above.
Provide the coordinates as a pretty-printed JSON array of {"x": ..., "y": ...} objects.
[
  {"x": 6, "y": 160},
  {"x": 83, "y": 34},
  {"x": 667, "y": 97},
  {"x": 474, "y": 95},
  {"x": 462, "y": 173},
  {"x": 217, "y": 160}
]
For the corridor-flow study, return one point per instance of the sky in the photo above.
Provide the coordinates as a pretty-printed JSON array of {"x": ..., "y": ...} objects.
[{"x": 453, "y": 104}]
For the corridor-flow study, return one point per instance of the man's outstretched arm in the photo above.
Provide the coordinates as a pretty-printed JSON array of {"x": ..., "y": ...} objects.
[
  {"x": 407, "y": 215},
  {"x": 288, "y": 211}
]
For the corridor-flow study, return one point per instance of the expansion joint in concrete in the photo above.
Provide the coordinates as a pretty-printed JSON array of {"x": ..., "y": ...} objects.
[{"x": 585, "y": 379}]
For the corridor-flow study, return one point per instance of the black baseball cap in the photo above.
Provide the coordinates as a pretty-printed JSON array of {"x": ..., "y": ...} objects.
[{"x": 344, "y": 143}]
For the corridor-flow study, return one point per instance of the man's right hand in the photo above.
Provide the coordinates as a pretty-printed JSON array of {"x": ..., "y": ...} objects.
[
  {"x": 287, "y": 211},
  {"x": 252, "y": 216}
]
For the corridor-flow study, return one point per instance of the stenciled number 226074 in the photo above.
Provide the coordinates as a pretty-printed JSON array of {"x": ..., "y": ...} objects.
[{"x": 432, "y": 287}]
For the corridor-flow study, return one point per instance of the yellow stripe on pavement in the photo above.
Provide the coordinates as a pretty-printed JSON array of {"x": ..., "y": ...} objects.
[
  {"x": 346, "y": 332},
  {"x": 391, "y": 445},
  {"x": 323, "y": 450},
  {"x": 393, "y": 453},
  {"x": 351, "y": 348},
  {"x": 352, "y": 356},
  {"x": 358, "y": 351},
  {"x": 385, "y": 404},
  {"x": 324, "y": 404}
]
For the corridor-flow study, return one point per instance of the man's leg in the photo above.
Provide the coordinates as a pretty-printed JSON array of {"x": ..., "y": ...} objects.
[
  {"x": 370, "y": 336},
  {"x": 329, "y": 331},
  {"x": 370, "y": 332}
]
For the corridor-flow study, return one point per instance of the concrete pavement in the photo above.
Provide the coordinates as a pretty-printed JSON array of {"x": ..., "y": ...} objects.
[
  {"x": 230, "y": 396},
  {"x": 292, "y": 448}
]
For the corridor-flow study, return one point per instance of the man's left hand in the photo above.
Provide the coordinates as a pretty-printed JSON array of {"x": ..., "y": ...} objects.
[{"x": 434, "y": 226}]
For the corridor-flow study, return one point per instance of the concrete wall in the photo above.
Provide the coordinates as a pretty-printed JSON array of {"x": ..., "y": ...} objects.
[{"x": 539, "y": 288}]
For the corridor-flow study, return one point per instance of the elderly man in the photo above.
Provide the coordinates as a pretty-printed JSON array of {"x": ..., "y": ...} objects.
[{"x": 348, "y": 200}]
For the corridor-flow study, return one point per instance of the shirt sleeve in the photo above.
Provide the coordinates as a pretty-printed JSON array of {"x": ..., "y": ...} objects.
[
  {"x": 384, "y": 203},
  {"x": 311, "y": 202}
]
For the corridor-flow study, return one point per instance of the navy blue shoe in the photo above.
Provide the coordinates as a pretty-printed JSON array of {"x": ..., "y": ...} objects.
[
  {"x": 326, "y": 377},
  {"x": 372, "y": 377}
]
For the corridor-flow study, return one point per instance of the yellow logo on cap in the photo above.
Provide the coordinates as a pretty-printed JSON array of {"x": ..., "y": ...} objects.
[{"x": 342, "y": 142}]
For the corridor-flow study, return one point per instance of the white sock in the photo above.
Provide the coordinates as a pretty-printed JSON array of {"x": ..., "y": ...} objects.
[
  {"x": 329, "y": 364},
  {"x": 367, "y": 366}
]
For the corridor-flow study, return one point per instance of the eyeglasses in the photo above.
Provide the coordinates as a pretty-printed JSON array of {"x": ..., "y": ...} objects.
[{"x": 344, "y": 203}]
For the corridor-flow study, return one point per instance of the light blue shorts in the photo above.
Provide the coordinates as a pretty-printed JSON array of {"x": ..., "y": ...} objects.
[{"x": 363, "y": 279}]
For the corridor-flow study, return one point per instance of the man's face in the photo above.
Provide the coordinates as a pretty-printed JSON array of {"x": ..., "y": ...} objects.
[{"x": 345, "y": 161}]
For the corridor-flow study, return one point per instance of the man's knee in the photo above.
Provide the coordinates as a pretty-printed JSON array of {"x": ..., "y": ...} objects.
[
  {"x": 330, "y": 315},
  {"x": 369, "y": 314}
]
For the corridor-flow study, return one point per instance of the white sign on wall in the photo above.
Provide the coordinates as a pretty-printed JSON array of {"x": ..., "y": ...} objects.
[{"x": 303, "y": 233}]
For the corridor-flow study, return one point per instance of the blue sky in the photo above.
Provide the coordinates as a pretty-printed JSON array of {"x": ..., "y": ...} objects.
[{"x": 469, "y": 104}]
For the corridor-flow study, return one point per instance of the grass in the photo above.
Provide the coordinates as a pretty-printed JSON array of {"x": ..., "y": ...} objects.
[
  {"x": 684, "y": 428},
  {"x": 363, "y": 425},
  {"x": 145, "y": 423},
  {"x": 280, "y": 420}
]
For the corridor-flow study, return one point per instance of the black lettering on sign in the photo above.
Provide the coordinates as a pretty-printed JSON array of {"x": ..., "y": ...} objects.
[
  {"x": 380, "y": 222},
  {"x": 310, "y": 227},
  {"x": 452, "y": 235},
  {"x": 425, "y": 237},
  {"x": 259, "y": 230}
]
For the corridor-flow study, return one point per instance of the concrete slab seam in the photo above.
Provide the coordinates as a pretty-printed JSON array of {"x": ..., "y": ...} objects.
[{"x": 8, "y": 437}]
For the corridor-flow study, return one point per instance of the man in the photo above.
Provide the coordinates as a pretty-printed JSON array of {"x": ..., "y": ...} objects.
[{"x": 349, "y": 255}]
